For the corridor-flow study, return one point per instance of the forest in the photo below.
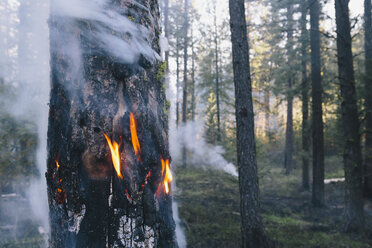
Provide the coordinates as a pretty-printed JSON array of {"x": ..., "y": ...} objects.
[{"x": 185, "y": 123}]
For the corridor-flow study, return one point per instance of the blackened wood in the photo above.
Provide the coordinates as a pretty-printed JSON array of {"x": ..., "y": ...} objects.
[
  {"x": 368, "y": 98},
  {"x": 317, "y": 91},
  {"x": 90, "y": 206},
  {"x": 253, "y": 233},
  {"x": 354, "y": 219}
]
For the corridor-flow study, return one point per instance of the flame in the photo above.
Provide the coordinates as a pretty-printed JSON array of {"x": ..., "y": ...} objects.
[
  {"x": 57, "y": 165},
  {"x": 133, "y": 132},
  {"x": 115, "y": 154},
  {"x": 168, "y": 178}
]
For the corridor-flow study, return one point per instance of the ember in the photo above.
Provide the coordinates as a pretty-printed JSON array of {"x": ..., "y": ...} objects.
[
  {"x": 115, "y": 154},
  {"x": 135, "y": 142}
]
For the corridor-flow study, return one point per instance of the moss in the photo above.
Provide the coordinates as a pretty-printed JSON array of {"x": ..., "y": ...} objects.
[
  {"x": 131, "y": 18},
  {"x": 209, "y": 206},
  {"x": 161, "y": 71}
]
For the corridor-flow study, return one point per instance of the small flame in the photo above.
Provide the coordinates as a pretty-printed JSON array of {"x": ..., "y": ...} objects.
[
  {"x": 57, "y": 165},
  {"x": 168, "y": 178},
  {"x": 133, "y": 132},
  {"x": 115, "y": 154}
]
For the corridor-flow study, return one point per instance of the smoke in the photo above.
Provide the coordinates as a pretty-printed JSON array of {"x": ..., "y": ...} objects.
[
  {"x": 200, "y": 153},
  {"x": 106, "y": 29}
]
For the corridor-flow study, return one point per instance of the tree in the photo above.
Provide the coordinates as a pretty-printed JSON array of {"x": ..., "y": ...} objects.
[
  {"x": 185, "y": 57},
  {"x": 305, "y": 99},
  {"x": 253, "y": 233},
  {"x": 288, "y": 152},
  {"x": 368, "y": 97},
  {"x": 217, "y": 71},
  {"x": 108, "y": 158},
  {"x": 317, "y": 91},
  {"x": 354, "y": 219}
]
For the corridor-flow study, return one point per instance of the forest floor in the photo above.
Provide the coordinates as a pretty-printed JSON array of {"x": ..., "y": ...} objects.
[{"x": 209, "y": 208}]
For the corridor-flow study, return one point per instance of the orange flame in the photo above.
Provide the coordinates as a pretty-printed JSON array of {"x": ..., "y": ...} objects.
[
  {"x": 168, "y": 178},
  {"x": 133, "y": 132},
  {"x": 57, "y": 165},
  {"x": 115, "y": 154}
]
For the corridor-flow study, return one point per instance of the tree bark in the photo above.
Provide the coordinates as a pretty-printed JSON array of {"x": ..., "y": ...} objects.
[
  {"x": 288, "y": 153},
  {"x": 305, "y": 99},
  {"x": 178, "y": 82},
  {"x": 92, "y": 95},
  {"x": 217, "y": 74},
  {"x": 318, "y": 137},
  {"x": 253, "y": 233},
  {"x": 166, "y": 30},
  {"x": 185, "y": 57},
  {"x": 368, "y": 98},
  {"x": 192, "y": 76},
  {"x": 354, "y": 219}
]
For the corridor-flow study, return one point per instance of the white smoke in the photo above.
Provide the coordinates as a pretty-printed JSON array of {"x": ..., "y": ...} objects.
[
  {"x": 108, "y": 26},
  {"x": 200, "y": 153}
]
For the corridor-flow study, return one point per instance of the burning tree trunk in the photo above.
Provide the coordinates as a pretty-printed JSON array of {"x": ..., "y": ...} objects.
[{"x": 108, "y": 158}]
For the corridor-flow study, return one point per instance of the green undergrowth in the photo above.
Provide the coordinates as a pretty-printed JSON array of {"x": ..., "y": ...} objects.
[{"x": 209, "y": 208}]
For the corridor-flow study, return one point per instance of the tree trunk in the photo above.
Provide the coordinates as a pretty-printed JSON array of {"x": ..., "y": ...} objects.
[
  {"x": 267, "y": 111},
  {"x": 318, "y": 138},
  {"x": 253, "y": 233},
  {"x": 305, "y": 100},
  {"x": 192, "y": 76},
  {"x": 368, "y": 98},
  {"x": 178, "y": 81},
  {"x": 288, "y": 153},
  {"x": 217, "y": 75},
  {"x": 97, "y": 100},
  {"x": 166, "y": 30},
  {"x": 185, "y": 57},
  {"x": 352, "y": 153}
]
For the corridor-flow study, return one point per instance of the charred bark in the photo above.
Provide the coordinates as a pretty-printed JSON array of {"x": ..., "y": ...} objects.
[
  {"x": 253, "y": 233},
  {"x": 305, "y": 99},
  {"x": 317, "y": 91},
  {"x": 93, "y": 94},
  {"x": 288, "y": 152},
  {"x": 354, "y": 219},
  {"x": 368, "y": 98}
]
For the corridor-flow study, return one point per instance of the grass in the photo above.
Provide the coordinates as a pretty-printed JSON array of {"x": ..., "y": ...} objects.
[{"x": 209, "y": 206}]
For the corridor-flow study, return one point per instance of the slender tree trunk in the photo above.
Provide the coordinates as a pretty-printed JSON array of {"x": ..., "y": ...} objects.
[
  {"x": 354, "y": 219},
  {"x": 253, "y": 233},
  {"x": 317, "y": 91},
  {"x": 178, "y": 82},
  {"x": 217, "y": 74},
  {"x": 192, "y": 76},
  {"x": 185, "y": 57},
  {"x": 166, "y": 30},
  {"x": 305, "y": 100},
  {"x": 267, "y": 111},
  {"x": 96, "y": 100},
  {"x": 288, "y": 153},
  {"x": 368, "y": 98}
]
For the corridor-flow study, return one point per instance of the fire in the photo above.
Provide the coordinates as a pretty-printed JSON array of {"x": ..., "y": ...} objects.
[
  {"x": 115, "y": 154},
  {"x": 57, "y": 165},
  {"x": 133, "y": 132},
  {"x": 168, "y": 178}
]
